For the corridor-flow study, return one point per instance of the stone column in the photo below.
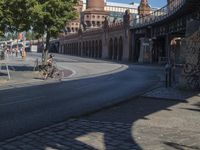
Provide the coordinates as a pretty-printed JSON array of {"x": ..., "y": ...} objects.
[
  {"x": 105, "y": 46},
  {"x": 126, "y": 48}
]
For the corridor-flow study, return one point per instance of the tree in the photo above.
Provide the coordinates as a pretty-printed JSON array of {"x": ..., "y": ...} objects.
[
  {"x": 16, "y": 15},
  {"x": 49, "y": 17},
  {"x": 2, "y": 25}
]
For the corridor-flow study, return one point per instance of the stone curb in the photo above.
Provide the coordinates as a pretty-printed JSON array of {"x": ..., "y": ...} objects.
[{"x": 35, "y": 83}]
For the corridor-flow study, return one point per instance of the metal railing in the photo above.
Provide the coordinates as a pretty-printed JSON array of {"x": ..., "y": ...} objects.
[{"x": 158, "y": 15}]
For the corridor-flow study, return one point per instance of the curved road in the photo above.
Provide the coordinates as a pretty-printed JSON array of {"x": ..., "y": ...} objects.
[{"x": 95, "y": 84}]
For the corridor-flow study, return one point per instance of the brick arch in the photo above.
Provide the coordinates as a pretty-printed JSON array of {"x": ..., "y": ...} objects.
[
  {"x": 93, "y": 49},
  {"x": 120, "y": 56},
  {"x": 90, "y": 48},
  {"x": 74, "y": 48},
  {"x": 83, "y": 48},
  {"x": 70, "y": 47},
  {"x": 87, "y": 48},
  {"x": 115, "y": 54},
  {"x": 79, "y": 49},
  {"x": 65, "y": 49},
  {"x": 96, "y": 49},
  {"x": 100, "y": 48},
  {"x": 110, "y": 53}
]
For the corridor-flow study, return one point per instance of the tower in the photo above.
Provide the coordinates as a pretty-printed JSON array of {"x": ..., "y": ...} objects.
[
  {"x": 94, "y": 15},
  {"x": 95, "y": 4},
  {"x": 144, "y": 9},
  {"x": 169, "y": 1}
]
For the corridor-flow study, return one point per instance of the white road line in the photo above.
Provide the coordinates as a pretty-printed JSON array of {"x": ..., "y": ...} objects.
[
  {"x": 22, "y": 101},
  {"x": 10, "y": 97}
]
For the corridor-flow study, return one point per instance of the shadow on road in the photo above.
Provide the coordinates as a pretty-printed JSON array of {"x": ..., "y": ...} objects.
[
  {"x": 59, "y": 101},
  {"x": 181, "y": 146},
  {"x": 19, "y": 68}
]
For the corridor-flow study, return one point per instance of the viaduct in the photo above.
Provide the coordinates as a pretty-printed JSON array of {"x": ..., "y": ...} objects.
[{"x": 168, "y": 35}]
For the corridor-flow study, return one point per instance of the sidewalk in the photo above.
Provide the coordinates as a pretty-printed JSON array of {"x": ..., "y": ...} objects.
[
  {"x": 144, "y": 123},
  {"x": 22, "y": 74}
]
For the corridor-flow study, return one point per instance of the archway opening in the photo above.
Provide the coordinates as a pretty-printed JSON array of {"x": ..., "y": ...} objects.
[
  {"x": 120, "y": 56},
  {"x": 115, "y": 49},
  {"x": 110, "y": 55}
]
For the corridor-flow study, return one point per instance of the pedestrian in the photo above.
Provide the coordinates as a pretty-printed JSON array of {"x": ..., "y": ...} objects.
[{"x": 23, "y": 54}]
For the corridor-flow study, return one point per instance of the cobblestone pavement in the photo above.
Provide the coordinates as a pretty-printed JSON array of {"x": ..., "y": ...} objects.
[
  {"x": 142, "y": 123},
  {"x": 170, "y": 93}
]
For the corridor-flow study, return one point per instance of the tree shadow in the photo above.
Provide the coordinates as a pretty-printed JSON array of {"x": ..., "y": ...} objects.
[
  {"x": 181, "y": 146},
  {"x": 19, "y": 68},
  {"x": 192, "y": 109},
  {"x": 58, "y": 106},
  {"x": 2, "y": 74}
]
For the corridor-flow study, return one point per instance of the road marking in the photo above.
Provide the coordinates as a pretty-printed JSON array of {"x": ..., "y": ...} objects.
[
  {"x": 19, "y": 96},
  {"x": 22, "y": 101}
]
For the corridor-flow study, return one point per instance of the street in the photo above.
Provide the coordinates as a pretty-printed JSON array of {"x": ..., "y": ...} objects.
[{"x": 29, "y": 108}]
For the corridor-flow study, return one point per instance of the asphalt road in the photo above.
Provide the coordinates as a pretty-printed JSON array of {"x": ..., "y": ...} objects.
[{"x": 30, "y": 108}]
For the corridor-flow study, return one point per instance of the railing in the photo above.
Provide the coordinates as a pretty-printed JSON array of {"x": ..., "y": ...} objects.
[{"x": 158, "y": 15}]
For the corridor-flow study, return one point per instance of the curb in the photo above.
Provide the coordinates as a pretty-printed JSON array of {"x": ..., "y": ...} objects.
[{"x": 35, "y": 83}]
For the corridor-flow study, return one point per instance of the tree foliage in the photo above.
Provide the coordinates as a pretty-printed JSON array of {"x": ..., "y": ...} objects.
[
  {"x": 49, "y": 17},
  {"x": 45, "y": 17},
  {"x": 16, "y": 15}
]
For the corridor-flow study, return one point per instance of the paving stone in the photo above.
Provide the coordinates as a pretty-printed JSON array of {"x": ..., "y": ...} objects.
[{"x": 113, "y": 133}]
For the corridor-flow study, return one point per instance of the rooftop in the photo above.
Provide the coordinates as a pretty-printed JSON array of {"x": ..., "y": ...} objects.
[{"x": 119, "y": 4}]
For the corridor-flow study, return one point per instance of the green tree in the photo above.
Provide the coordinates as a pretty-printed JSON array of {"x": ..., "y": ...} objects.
[
  {"x": 16, "y": 15},
  {"x": 49, "y": 17},
  {"x": 2, "y": 24},
  {"x": 28, "y": 35}
]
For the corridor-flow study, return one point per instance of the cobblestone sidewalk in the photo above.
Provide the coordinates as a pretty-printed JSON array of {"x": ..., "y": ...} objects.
[
  {"x": 140, "y": 124},
  {"x": 170, "y": 93},
  {"x": 98, "y": 135}
]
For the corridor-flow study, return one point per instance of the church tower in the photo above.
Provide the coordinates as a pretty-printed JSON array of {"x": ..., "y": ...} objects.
[
  {"x": 94, "y": 15},
  {"x": 144, "y": 9}
]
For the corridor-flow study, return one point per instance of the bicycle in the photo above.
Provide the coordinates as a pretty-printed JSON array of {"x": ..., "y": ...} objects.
[{"x": 49, "y": 70}]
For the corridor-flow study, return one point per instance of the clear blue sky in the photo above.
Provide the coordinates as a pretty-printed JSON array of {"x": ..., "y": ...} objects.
[{"x": 154, "y": 3}]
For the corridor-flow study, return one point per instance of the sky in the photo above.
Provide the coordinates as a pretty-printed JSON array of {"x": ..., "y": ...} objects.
[{"x": 154, "y": 3}]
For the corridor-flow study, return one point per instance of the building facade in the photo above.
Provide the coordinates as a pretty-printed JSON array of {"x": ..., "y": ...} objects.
[
  {"x": 91, "y": 14},
  {"x": 99, "y": 34}
]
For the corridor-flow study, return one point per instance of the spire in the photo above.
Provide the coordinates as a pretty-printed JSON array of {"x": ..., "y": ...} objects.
[
  {"x": 95, "y": 4},
  {"x": 144, "y": 8},
  {"x": 144, "y": 2}
]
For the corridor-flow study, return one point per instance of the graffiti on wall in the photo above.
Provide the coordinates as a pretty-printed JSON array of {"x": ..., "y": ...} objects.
[{"x": 192, "y": 64}]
